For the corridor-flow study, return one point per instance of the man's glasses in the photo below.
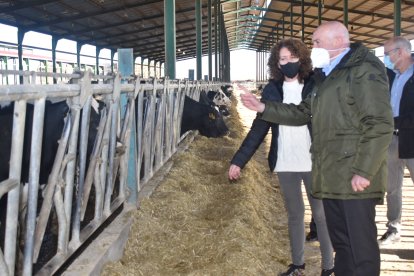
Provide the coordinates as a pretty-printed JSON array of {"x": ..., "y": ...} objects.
[{"x": 387, "y": 53}]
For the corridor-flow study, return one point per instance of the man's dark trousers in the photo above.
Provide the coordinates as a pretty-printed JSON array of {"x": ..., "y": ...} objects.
[{"x": 353, "y": 232}]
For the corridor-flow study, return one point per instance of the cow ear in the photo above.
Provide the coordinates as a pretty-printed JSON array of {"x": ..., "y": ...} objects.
[{"x": 211, "y": 116}]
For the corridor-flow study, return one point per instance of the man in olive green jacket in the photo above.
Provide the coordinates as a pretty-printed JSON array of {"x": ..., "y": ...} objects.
[{"x": 352, "y": 126}]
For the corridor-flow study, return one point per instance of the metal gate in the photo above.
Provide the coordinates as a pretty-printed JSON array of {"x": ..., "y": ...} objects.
[{"x": 117, "y": 132}]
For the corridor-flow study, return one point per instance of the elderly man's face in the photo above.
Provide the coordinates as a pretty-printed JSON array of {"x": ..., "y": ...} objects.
[
  {"x": 320, "y": 39},
  {"x": 391, "y": 50}
]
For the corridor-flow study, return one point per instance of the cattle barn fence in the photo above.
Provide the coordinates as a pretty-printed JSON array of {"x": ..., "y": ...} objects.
[{"x": 138, "y": 130}]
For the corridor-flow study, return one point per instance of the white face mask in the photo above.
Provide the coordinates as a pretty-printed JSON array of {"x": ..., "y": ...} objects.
[{"x": 320, "y": 57}]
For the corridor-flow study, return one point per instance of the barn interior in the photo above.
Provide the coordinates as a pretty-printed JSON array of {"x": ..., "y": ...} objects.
[{"x": 165, "y": 30}]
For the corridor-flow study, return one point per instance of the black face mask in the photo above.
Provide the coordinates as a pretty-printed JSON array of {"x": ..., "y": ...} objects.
[{"x": 290, "y": 69}]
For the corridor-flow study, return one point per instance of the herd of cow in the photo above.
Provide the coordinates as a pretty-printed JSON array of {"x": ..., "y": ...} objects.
[{"x": 206, "y": 116}]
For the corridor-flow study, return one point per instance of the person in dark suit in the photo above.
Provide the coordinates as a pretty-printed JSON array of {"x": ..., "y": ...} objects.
[{"x": 400, "y": 69}]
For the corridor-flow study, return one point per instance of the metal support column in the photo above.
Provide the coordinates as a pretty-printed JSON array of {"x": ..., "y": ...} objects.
[
  {"x": 220, "y": 42},
  {"x": 210, "y": 58},
  {"x": 112, "y": 59},
  {"x": 397, "y": 17},
  {"x": 97, "y": 52},
  {"x": 302, "y": 10},
  {"x": 319, "y": 12},
  {"x": 170, "y": 42},
  {"x": 346, "y": 13},
  {"x": 257, "y": 68},
  {"x": 135, "y": 65},
  {"x": 199, "y": 31},
  {"x": 261, "y": 65},
  {"x": 20, "y": 37},
  {"x": 142, "y": 67},
  {"x": 264, "y": 65},
  {"x": 126, "y": 64},
  {"x": 291, "y": 18},
  {"x": 54, "y": 44},
  {"x": 216, "y": 38},
  {"x": 78, "y": 50}
]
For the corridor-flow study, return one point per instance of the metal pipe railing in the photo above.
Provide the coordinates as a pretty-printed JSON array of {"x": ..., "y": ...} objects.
[{"x": 154, "y": 108}]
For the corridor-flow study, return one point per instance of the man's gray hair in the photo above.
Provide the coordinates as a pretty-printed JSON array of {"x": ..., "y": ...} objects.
[{"x": 401, "y": 42}]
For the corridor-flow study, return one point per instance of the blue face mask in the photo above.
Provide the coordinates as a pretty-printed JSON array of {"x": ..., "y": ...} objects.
[{"x": 388, "y": 63}]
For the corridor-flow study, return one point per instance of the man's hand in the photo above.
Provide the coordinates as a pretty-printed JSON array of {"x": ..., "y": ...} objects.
[
  {"x": 359, "y": 183},
  {"x": 251, "y": 102},
  {"x": 234, "y": 172}
]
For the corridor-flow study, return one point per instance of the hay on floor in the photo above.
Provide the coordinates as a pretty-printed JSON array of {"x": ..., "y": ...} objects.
[{"x": 199, "y": 223}]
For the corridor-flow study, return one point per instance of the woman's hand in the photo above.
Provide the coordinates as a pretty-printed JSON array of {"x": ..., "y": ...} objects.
[{"x": 234, "y": 172}]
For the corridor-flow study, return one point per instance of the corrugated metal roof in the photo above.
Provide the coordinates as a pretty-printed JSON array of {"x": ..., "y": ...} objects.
[{"x": 139, "y": 24}]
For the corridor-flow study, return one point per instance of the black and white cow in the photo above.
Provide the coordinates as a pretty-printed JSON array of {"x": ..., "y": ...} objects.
[
  {"x": 202, "y": 117},
  {"x": 219, "y": 98},
  {"x": 227, "y": 90}
]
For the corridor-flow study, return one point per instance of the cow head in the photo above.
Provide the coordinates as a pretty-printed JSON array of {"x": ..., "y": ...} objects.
[
  {"x": 221, "y": 99},
  {"x": 213, "y": 125},
  {"x": 205, "y": 118}
]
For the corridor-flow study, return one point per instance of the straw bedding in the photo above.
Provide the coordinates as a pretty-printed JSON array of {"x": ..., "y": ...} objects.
[{"x": 199, "y": 223}]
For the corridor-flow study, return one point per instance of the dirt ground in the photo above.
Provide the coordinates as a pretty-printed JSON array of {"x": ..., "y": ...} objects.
[{"x": 199, "y": 223}]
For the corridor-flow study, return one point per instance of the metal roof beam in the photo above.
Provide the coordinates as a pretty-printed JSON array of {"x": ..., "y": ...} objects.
[
  {"x": 142, "y": 30},
  {"x": 129, "y": 22},
  {"x": 25, "y": 5},
  {"x": 95, "y": 13}
]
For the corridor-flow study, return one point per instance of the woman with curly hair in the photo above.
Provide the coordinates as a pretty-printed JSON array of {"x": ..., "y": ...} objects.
[{"x": 290, "y": 70}]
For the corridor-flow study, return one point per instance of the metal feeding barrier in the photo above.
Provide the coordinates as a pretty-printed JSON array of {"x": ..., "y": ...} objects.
[{"x": 135, "y": 131}]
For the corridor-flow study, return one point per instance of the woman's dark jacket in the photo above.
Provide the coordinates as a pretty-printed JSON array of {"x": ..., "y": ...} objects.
[
  {"x": 404, "y": 123},
  {"x": 273, "y": 91}
]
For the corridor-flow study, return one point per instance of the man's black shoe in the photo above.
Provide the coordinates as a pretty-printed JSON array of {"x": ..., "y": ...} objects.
[
  {"x": 327, "y": 272},
  {"x": 312, "y": 236}
]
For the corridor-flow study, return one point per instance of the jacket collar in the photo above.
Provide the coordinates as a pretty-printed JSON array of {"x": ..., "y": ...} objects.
[{"x": 354, "y": 57}]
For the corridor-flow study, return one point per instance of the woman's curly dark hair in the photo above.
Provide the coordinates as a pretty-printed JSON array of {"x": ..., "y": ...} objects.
[{"x": 298, "y": 49}]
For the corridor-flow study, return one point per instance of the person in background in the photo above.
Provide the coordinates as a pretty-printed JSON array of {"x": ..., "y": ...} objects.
[
  {"x": 290, "y": 69},
  {"x": 352, "y": 126},
  {"x": 398, "y": 60}
]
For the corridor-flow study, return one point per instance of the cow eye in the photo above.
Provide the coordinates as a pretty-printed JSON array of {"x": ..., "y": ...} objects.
[{"x": 211, "y": 116}]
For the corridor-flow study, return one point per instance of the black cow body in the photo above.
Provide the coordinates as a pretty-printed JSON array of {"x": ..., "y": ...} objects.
[
  {"x": 202, "y": 117},
  {"x": 54, "y": 121},
  {"x": 55, "y": 114}
]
